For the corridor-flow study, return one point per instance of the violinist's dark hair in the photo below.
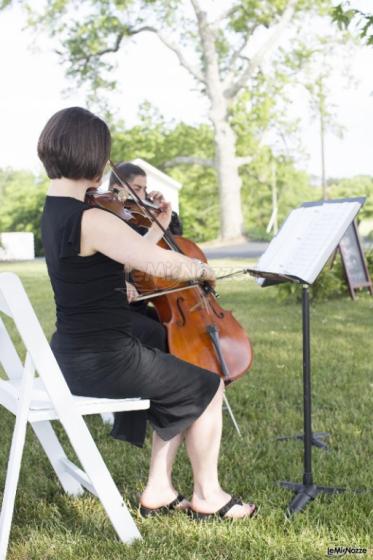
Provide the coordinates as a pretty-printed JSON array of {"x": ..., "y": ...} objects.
[
  {"x": 74, "y": 144},
  {"x": 126, "y": 172}
]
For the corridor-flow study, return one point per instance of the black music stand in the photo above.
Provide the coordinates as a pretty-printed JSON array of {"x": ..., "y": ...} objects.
[
  {"x": 307, "y": 490},
  {"x": 301, "y": 227}
]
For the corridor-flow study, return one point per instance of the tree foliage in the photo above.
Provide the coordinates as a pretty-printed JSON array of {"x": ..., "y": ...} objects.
[
  {"x": 361, "y": 185},
  {"x": 345, "y": 17},
  {"x": 22, "y": 194},
  {"x": 89, "y": 33},
  {"x": 158, "y": 142},
  {"x": 292, "y": 189},
  {"x": 212, "y": 41},
  {"x": 22, "y": 197}
]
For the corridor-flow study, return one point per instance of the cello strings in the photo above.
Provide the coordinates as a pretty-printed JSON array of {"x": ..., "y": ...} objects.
[
  {"x": 159, "y": 293},
  {"x": 241, "y": 271}
]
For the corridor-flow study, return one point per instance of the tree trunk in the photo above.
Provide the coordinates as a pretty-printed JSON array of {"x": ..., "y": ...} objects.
[
  {"x": 228, "y": 179},
  {"x": 225, "y": 140},
  {"x": 222, "y": 93},
  {"x": 322, "y": 138}
]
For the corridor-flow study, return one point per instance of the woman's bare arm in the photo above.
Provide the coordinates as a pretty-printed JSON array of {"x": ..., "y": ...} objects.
[
  {"x": 105, "y": 233},
  {"x": 155, "y": 233}
]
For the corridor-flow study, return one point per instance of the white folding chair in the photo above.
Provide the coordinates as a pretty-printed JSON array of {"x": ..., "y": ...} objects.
[{"x": 39, "y": 399}]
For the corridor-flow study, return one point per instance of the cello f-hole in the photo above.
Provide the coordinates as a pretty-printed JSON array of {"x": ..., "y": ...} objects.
[
  {"x": 179, "y": 303},
  {"x": 219, "y": 315}
]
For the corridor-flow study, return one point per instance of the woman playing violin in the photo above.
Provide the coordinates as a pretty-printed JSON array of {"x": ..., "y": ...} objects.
[
  {"x": 147, "y": 320},
  {"x": 136, "y": 177},
  {"x": 85, "y": 249}
]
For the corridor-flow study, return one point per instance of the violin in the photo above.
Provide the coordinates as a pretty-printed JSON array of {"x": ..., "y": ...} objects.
[
  {"x": 121, "y": 205},
  {"x": 199, "y": 330}
]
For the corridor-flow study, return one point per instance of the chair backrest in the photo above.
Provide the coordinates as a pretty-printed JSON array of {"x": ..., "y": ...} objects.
[
  {"x": 15, "y": 303},
  {"x": 3, "y": 305},
  {"x": 9, "y": 358}
]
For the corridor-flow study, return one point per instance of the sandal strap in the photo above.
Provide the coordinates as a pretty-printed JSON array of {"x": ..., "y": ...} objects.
[
  {"x": 179, "y": 498},
  {"x": 150, "y": 512},
  {"x": 234, "y": 501}
]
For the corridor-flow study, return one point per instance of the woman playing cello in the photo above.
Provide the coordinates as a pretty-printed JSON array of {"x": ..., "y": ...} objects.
[
  {"x": 85, "y": 251},
  {"x": 146, "y": 319}
]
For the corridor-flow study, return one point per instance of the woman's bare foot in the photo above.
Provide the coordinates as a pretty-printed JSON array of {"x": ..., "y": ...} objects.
[{"x": 155, "y": 498}]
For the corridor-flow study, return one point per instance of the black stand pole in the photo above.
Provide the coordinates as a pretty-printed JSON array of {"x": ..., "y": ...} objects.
[{"x": 308, "y": 490}]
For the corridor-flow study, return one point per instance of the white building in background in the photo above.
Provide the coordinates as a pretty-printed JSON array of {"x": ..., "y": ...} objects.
[
  {"x": 17, "y": 246},
  {"x": 159, "y": 181}
]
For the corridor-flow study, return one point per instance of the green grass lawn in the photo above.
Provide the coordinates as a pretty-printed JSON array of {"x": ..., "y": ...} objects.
[{"x": 267, "y": 402}]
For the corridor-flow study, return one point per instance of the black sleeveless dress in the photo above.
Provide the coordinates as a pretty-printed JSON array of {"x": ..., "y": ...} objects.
[{"x": 98, "y": 344}]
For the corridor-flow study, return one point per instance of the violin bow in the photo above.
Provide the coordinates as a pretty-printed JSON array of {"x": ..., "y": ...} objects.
[{"x": 166, "y": 234}]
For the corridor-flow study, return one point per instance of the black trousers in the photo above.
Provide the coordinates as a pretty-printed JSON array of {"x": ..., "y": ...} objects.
[{"x": 146, "y": 326}]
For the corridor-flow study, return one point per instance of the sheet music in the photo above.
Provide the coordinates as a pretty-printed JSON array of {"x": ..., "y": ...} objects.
[{"x": 308, "y": 238}]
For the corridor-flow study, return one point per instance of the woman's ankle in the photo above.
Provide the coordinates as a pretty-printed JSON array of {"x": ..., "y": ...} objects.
[
  {"x": 156, "y": 495},
  {"x": 208, "y": 492}
]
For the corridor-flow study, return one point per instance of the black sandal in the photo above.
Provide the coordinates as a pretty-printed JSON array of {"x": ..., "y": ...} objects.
[
  {"x": 221, "y": 513},
  {"x": 150, "y": 512}
]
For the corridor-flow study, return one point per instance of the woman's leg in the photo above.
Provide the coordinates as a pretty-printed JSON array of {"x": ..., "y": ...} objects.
[
  {"x": 148, "y": 330},
  {"x": 203, "y": 444},
  {"x": 159, "y": 489}
]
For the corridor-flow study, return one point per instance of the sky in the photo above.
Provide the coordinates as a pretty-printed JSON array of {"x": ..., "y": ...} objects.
[{"x": 32, "y": 83}]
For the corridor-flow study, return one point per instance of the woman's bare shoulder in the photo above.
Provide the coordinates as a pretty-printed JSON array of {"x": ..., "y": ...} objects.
[{"x": 97, "y": 217}]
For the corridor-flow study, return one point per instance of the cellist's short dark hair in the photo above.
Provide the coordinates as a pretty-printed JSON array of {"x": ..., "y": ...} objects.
[
  {"x": 126, "y": 172},
  {"x": 74, "y": 144}
]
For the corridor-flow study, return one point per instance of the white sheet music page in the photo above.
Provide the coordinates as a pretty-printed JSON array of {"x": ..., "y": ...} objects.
[{"x": 308, "y": 238}]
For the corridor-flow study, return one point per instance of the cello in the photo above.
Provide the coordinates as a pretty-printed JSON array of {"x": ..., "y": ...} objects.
[{"x": 199, "y": 330}]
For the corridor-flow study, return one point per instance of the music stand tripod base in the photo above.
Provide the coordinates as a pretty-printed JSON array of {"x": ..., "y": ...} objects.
[
  {"x": 305, "y": 493},
  {"x": 316, "y": 439}
]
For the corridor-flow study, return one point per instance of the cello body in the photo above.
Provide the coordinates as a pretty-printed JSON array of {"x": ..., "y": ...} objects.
[{"x": 190, "y": 316}]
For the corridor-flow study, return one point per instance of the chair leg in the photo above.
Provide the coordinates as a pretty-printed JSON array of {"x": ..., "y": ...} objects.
[
  {"x": 54, "y": 450},
  {"x": 100, "y": 478},
  {"x": 15, "y": 458},
  {"x": 96, "y": 470},
  {"x": 115, "y": 508}
]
